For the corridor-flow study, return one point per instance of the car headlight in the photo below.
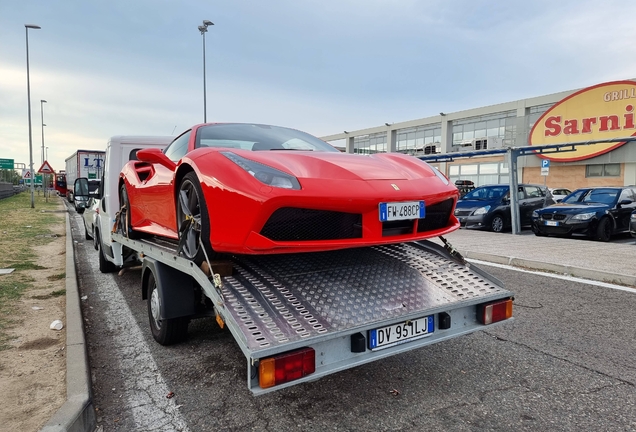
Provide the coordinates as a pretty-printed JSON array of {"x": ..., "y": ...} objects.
[
  {"x": 583, "y": 216},
  {"x": 535, "y": 214},
  {"x": 457, "y": 212},
  {"x": 633, "y": 216},
  {"x": 263, "y": 173},
  {"x": 482, "y": 210}
]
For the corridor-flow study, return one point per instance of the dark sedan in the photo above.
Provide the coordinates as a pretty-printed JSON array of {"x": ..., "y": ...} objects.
[
  {"x": 488, "y": 207},
  {"x": 598, "y": 212}
]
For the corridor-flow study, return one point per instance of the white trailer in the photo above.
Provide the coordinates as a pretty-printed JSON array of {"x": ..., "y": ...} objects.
[
  {"x": 299, "y": 317},
  {"x": 87, "y": 164}
]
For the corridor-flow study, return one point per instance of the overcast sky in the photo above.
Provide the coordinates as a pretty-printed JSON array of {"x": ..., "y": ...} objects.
[{"x": 134, "y": 67}]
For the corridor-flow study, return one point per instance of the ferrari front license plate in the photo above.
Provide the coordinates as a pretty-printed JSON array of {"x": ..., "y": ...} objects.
[
  {"x": 402, "y": 210},
  {"x": 551, "y": 223},
  {"x": 385, "y": 337}
]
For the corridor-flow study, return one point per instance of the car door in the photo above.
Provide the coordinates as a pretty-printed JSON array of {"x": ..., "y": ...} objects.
[
  {"x": 623, "y": 212},
  {"x": 532, "y": 199},
  {"x": 159, "y": 188}
]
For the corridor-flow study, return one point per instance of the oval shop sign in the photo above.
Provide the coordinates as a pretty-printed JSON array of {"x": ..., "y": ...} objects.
[{"x": 599, "y": 112}]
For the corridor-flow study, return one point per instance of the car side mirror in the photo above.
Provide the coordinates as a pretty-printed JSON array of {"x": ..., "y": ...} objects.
[
  {"x": 624, "y": 202},
  {"x": 80, "y": 188},
  {"x": 155, "y": 155}
]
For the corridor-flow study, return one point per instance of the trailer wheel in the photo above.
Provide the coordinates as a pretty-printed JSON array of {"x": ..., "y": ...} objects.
[
  {"x": 193, "y": 220},
  {"x": 167, "y": 331},
  {"x": 105, "y": 266},
  {"x": 124, "y": 226}
]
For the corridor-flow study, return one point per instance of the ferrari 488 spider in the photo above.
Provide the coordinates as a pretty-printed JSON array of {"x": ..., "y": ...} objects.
[{"x": 258, "y": 189}]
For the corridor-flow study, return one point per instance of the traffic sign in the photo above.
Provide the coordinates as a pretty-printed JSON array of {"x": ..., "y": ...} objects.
[
  {"x": 26, "y": 174},
  {"x": 46, "y": 168},
  {"x": 545, "y": 167},
  {"x": 6, "y": 164}
]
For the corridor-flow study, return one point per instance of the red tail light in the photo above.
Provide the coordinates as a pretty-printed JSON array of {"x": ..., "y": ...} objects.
[
  {"x": 489, "y": 313},
  {"x": 286, "y": 367}
]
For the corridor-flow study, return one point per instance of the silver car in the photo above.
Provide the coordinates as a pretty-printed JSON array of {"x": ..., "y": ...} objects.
[{"x": 90, "y": 219}]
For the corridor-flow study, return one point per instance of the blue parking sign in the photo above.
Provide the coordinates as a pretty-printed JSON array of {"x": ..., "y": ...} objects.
[{"x": 545, "y": 163}]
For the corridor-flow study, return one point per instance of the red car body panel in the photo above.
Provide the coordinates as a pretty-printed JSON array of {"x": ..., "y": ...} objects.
[{"x": 239, "y": 205}]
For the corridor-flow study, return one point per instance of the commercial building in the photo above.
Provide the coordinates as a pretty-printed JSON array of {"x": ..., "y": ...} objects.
[{"x": 603, "y": 111}]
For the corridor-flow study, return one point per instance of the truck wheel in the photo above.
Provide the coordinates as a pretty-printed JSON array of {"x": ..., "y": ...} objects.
[
  {"x": 192, "y": 220},
  {"x": 497, "y": 224},
  {"x": 604, "y": 230},
  {"x": 124, "y": 225},
  {"x": 167, "y": 331},
  {"x": 105, "y": 266}
]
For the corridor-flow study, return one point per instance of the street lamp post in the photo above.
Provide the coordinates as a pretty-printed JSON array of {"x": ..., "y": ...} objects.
[
  {"x": 42, "y": 102},
  {"x": 27, "y": 27},
  {"x": 204, "y": 29}
]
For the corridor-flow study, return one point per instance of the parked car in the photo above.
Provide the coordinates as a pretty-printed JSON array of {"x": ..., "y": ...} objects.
[
  {"x": 488, "y": 207},
  {"x": 559, "y": 193},
  {"x": 90, "y": 219},
  {"x": 597, "y": 212},
  {"x": 632, "y": 224},
  {"x": 259, "y": 189}
]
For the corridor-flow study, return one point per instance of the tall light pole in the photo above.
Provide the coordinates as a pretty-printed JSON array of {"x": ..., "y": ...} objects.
[
  {"x": 204, "y": 29},
  {"x": 42, "y": 102},
  {"x": 27, "y": 27}
]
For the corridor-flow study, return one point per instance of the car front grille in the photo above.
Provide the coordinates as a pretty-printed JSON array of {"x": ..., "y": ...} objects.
[
  {"x": 553, "y": 216},
  {"x": 461, "y": 212},
  {"x": 437, "y": 216},
  {"x": 293, "y": 224}
]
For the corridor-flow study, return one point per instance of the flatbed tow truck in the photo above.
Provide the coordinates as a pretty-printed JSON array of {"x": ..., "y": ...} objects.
[{"x": 300, "y": 317}]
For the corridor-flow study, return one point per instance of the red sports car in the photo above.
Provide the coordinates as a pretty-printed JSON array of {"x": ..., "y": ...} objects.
[{"x": 258, "y": 189}]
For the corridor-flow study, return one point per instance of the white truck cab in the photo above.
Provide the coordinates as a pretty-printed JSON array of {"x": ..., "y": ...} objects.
[{"x": 119, "y": 150}]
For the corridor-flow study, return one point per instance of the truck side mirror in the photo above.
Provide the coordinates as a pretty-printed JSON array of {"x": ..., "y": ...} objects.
[
  {"x": 80, "y": 188},
  {"x": 155, "y": 155}
]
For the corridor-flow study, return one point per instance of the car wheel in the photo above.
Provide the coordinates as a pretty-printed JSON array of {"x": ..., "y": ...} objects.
[
  {"x": 123, "y": 224},
  {"x": 95, "y": 244},
  {"x": 604, "y": 230},
  {"x": 167, "y": 331},
  {"x": 86, "y": 235},
  {"x": 192, "y": 220},
  {"x": 105, "y": 266},
  {"x": 497, "y": 224}
]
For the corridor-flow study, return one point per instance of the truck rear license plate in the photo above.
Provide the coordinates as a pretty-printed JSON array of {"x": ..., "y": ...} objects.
[
  {"x": 393, "y": 211},
  {"x": 551, "y": 223},
  {"x": 385, "y": 337}
]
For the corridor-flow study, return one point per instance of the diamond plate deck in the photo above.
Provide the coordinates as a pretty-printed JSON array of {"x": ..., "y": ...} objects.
[{"x": 276, "y": 300}]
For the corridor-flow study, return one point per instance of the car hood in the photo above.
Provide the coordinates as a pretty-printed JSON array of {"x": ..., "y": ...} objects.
[
  {"x": 340, "y": 166},
  {"x": 563, "y": 208}
]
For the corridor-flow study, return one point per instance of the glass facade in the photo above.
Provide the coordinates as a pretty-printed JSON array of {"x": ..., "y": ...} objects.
[
  {"x": 533, "y": 115},
  {"x": 604, "y": 170},
  {"x": 369, "y": 144},
  {"x": 480, "y": 174},
  {"x": 420, "y": 140},
  {"x": 499, "y": 125}
]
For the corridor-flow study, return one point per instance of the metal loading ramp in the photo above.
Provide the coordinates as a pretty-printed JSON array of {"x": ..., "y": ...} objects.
[{"x": 280, "y": 300}]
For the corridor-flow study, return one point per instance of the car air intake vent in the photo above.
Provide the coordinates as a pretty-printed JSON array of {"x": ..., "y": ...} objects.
[
  {"x": 399, "y": 227},
  {"x": 437, "y": 216},
  {"x": 294, "y": 224}
]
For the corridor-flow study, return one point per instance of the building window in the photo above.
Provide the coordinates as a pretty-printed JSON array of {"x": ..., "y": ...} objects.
[
  {"x": 603, "y": 170},
  {"x": 420, "y": 140},
  {"x": 370, "y": 144},
  {"x": 500, "y": 125},
  {"x": 480, "y": 174}
]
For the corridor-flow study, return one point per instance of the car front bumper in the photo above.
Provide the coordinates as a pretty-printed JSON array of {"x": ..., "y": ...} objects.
[{"x": 567, "y": 227}]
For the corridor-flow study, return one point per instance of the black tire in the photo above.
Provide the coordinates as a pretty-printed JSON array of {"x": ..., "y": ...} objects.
[
  {"x": 604, "y": 230},
  {"x": 497, "y": 224},
  {"x": 197, "y": 207},
  {"x": 86, "y": 235},
  {"x": 124, "y": 227},
  {"x": 105, "y": 266},
  {"x": 95, "y": 242},
  {"x": 167, "y": 331}
]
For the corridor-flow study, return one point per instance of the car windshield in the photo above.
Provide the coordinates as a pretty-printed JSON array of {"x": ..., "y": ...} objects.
[
  {"x": 600, "y": 195},
  {"x": 258, "y": 137},
  {"x": 486, "y": 193}
]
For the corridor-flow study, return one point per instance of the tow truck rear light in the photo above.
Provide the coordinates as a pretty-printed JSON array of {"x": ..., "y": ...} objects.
[
  {"x": 286, "y": 367},
  {"x": 489, "y": 313}
]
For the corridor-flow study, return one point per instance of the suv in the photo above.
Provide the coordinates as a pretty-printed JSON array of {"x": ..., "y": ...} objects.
[{"x": 488, "y": 207}]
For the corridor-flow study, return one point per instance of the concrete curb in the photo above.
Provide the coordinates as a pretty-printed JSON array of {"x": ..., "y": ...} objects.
[
  {"x": 583, "y": 273},
  {"x": 77, "y": 414}
]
